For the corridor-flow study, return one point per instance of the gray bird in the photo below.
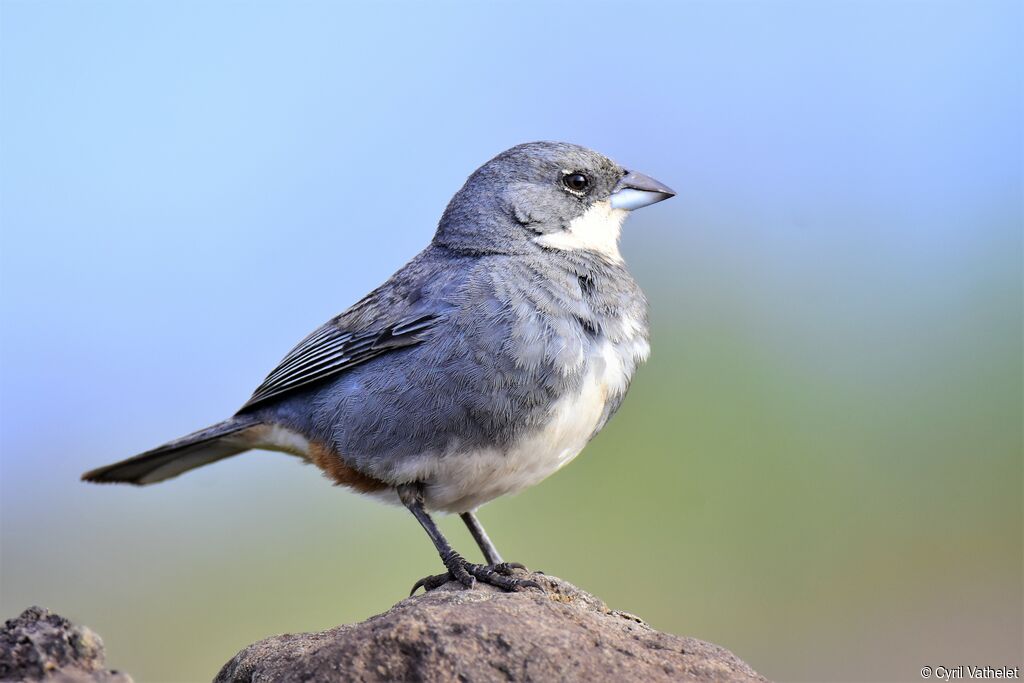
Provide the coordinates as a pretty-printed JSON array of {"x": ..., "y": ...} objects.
[{"x": 480, "y": 368}]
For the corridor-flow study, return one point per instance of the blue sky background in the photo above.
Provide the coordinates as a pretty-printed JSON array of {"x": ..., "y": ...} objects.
[{"x": 828, "y": 436}]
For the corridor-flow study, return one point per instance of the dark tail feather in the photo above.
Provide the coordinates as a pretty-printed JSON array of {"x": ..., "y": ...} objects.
[{"x": 222, "y": 440}]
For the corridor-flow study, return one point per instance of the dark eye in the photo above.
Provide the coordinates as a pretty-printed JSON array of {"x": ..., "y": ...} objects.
[{"x": 577, "y": 182}]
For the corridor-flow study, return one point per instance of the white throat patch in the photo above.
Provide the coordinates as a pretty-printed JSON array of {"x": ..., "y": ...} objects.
[{"x": 596, "y": 230}]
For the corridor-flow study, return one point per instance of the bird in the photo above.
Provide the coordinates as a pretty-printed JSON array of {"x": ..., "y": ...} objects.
[{"x": 481, "y": 367}]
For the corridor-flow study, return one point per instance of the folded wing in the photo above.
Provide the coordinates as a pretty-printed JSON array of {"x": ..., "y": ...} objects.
[{"x": 332, "y": 349}]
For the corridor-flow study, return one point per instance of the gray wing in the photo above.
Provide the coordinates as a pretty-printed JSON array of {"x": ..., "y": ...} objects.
[{"x": 333, "y": 349}]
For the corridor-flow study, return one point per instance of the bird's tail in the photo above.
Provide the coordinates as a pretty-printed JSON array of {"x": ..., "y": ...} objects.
[{"x": 222, "y": 440}]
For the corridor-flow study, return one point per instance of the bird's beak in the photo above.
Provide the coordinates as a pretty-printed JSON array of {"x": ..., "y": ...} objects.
[{"x": 635, "y": 191}]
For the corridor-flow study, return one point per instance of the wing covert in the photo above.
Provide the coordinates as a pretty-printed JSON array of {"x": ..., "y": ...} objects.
[{"x": 331, "y": 349}]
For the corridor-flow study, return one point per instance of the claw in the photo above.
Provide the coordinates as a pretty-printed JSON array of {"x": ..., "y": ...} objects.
[{"x": 429, "y": 583}]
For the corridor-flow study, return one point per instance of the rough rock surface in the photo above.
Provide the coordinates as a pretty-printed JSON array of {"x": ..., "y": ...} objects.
[
  {"x": 42, "y": 645},
  {"x": 483, "y": 634}
]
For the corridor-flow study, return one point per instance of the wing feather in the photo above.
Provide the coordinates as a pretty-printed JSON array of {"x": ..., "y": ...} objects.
[{"x": 331, "y": 349}]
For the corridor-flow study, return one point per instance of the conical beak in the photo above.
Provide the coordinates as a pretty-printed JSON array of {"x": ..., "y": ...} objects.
[{"x": 635, "y": 191}]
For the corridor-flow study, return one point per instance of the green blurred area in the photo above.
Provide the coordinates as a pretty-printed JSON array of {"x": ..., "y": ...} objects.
[{"x": 831, "y": 494}]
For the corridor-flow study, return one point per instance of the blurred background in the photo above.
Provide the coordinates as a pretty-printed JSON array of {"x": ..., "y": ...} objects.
[{"x": 820, "y": 468}]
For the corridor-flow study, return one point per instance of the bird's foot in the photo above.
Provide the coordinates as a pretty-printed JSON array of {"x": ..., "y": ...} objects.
[{"x": 501, "y": 575}]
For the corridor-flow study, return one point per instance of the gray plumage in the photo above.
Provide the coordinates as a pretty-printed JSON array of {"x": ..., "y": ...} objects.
[{"x": 468, "y": 351}]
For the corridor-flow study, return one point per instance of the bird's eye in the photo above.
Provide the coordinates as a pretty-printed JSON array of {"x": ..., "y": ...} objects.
[{"x": 577, "y": 182}]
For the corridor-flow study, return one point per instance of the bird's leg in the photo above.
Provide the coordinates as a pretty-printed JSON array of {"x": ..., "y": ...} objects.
[
  {"x": 458, "y": 568},
  {"x": 411, "y": 496},
  {"x": 491, "y": 554}
]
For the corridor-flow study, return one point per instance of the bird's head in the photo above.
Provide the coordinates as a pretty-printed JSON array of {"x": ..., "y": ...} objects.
[{"x": 543, "y": 196}]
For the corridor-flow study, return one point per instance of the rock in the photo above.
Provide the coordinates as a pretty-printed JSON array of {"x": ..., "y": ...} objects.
[
  {"x": 483, "y": 634},
  {"x": 42, "y": 645}
]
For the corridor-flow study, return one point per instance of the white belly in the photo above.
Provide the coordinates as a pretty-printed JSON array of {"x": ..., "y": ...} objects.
[{"x": 461, "y": 481}]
